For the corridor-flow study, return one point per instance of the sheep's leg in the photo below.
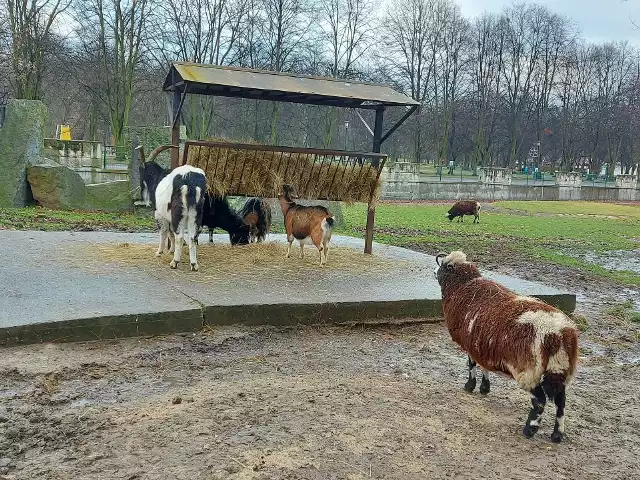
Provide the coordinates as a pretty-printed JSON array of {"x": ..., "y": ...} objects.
[
  {"x": 172, "y": 242},
  {"x": 178, "y": 251},
  {"x": 211, "y": 235},
  {"x": 485, "y": 386},
  {"x": 471, "y": 382},
  {"x": 538, "y": 401},
  {"x": 326, "y": 252},
  {"x": 558, "y": 429},
  {"x": 290, "y": 240},
  {"x": 164, "y": 233},
  {"x": 193, "y": 259},
  {"x": 301, "y": 250}
]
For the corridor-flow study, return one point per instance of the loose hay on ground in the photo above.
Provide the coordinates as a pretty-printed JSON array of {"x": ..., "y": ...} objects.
[{"x": 255, "y": 261}]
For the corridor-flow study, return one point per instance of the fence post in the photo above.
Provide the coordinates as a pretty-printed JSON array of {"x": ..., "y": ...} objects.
[{"x": 134, "y": 170}]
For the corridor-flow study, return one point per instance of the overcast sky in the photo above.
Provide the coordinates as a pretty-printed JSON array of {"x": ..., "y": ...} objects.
[{"x": 598, "y": 20}]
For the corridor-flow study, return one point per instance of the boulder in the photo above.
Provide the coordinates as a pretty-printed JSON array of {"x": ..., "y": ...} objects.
[
  {"x": 55, "y": 186},
  {"x": 109, "y": 196},
  {"x": 21, "y": 145},
  {"x": 58, "y": 187}
]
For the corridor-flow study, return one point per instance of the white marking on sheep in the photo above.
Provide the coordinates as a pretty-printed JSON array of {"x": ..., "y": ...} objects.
[
  {"x": 544, "y": 324},
  {"x": 473, "y": 320},
  {"x": 454, "y": 258}
]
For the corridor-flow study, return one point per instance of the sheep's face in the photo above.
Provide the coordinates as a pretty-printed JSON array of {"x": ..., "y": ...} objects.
[{"x": 454, "y": 269}]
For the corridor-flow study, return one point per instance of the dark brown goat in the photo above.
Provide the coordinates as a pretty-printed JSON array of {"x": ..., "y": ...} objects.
[
  {"x": 307, "y": 224},
  {"x": 256, "y": 213},
  {"x": 462, "y": 208},
  {"x": 520, "y": 337}
]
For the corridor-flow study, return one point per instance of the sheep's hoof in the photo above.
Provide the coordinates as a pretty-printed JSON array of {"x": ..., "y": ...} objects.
[
  {"x": 556, "y": 437},
  {"x": 529, "y": 430},
  {"x": 194, "y": 267},
  {"x": 158, "y": 253},
  {"x": 173, "y": 264},
  {"x": 470, "y": 386},
  {"x": 485, "y": 387}
]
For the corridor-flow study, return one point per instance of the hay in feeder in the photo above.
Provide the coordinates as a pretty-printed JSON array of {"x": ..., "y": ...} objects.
[{"x": 262, "y": 173}]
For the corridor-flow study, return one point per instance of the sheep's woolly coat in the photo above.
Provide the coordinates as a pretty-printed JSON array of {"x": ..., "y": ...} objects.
[{"x": 521, "y": 337}]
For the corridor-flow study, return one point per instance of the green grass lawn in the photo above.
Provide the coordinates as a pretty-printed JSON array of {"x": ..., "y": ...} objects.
[
  {"x": 32, "y": 218},
  {"x": 552, "y": 232},
  {"x": 555, "y": 232}
]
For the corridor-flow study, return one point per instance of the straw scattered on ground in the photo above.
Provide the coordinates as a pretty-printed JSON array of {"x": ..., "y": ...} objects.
[
  {"x": 216, "y": 261},
  {"x": 233, "y": 171}
]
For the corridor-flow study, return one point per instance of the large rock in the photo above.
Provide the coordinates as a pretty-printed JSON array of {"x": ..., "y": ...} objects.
[
  {"x": 21, "y": 145},
  {"x": 109, "y": 196},
  {"x": 56, "y": 186},
  {"x": 59, "y": 187}
]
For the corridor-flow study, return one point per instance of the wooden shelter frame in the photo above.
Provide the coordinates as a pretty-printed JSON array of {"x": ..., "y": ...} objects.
[{"x": 189, "y": 78}]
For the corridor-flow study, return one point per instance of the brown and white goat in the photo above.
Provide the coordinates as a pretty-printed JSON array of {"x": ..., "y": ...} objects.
[
  {"x": 307, "y": 224},
  {"x": 520, "y": 337}
]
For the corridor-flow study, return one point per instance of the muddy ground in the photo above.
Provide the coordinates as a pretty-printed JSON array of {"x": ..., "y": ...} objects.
[{"x": 322, "y": 402}]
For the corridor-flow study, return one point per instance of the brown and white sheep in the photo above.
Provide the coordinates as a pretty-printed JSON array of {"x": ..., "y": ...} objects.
[
  {"x": 464, "y": 207},
  {"x": 307, "y": 224},
  {"x": 520, "y": 337}
]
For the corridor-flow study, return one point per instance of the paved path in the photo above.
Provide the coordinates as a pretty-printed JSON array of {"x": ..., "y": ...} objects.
[{"x": 47, "y": 297}]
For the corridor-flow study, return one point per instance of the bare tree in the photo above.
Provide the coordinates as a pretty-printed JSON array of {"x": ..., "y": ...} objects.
[
  {"x": 30, "y": 25},
  {"x": 488, "y": 61},
  {"x": 346, "y": 29},
  {"x": 411, "y": 33},
  {"x": 112, "y": 33},
  {"x": 450, "y": 59},
  {"x": 201, "y": 31}
]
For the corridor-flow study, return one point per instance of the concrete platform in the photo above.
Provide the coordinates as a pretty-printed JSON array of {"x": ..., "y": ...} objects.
[{"x": 47, "y": 297}]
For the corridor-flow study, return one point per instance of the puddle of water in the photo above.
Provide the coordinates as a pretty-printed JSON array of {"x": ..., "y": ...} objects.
[{"x": 615, "y": 260}]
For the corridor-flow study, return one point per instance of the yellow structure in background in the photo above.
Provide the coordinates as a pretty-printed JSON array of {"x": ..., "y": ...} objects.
[{"x": 64, "y": 132}]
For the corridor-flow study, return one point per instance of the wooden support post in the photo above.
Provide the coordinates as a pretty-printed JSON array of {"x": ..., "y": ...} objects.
[
  {"x": 371, "y": 210},
  {"x": 175, "y": 129},
  {"x": 134, "y": 168}
]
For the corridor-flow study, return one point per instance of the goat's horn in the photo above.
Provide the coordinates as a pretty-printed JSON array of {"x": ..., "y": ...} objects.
[
  {"x": 142, "y": 159},
  {"x": 439, "y": 256},
  {"x": 160, "y": 149}
]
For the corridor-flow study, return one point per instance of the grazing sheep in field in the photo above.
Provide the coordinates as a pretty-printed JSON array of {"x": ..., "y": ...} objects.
[
  {"x": 520, "y": 337},
  {"x": 179, "y": 205},
  {"x": 217, "y": 213},
  {"x": 257, "y": 214},
  {"x": 307, "y": 224},
  {"x": 462, "y": 208}
]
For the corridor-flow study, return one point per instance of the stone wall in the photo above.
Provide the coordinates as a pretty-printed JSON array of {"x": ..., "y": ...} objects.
[
  {"x": 494, "y": 176},
  {"x": 21, "y": 145},
  {"x": 569, "y": 179},
  {"x": 445, "y": 191},
  {"x": 626, "y": 181}
]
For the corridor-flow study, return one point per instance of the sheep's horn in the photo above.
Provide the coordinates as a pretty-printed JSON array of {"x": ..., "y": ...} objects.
[
  {"x": 159, "y": 149},
  {"x": 439, "y": 256}
]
